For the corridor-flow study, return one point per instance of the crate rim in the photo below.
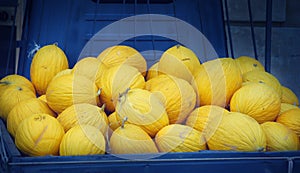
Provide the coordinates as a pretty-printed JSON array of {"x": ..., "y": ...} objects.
[{"x": 15, "y": 157}]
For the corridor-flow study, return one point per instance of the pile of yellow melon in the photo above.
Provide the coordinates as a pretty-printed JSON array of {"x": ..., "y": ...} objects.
[{"x": 114, "y": 104}]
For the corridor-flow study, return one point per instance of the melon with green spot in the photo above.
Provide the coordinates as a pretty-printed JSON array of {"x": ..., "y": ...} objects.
[
  {"x": 247, "y": 64},
  {"x": 11, "y": 96},
  {"x": 263, "y": 77},
  {"x": 15, "y": 79}
]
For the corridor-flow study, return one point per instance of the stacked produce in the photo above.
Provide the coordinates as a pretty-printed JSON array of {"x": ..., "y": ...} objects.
[{"x": 113, "y": 104}]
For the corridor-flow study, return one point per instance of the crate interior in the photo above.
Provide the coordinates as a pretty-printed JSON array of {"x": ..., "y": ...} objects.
[{"x": 72, "y": 23}]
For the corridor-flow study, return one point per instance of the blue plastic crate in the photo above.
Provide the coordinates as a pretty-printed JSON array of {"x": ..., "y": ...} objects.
[{"x": 72, "y": 24}]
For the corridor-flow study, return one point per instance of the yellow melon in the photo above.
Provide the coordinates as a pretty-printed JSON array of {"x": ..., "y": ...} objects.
[
  {"x": 247, "y": 64},
  {"x": 115, "y": 81},
  {"x": 152, "y": 71},
  {"x": 216, "y": 82},
  {"x": 179, "y": 138},
  {"x": 113, "y": 121},
  {"x": 178, "y": 96},
  {"x": 63, "y": 72},
  {"x": 291, "y": 119},
  {"x": 39, "y": 135},
  {"x": 121, "y": 54},
  {"x": 263, "y": 77},
  {"x": 144, "y": 109},
  {"x": 285, "y": 107},
  {"x": 238, "y": 132},
  {"x": 130, "y": 139},
  {"x": 279, "y": 137},
  {"x": 70, "y": 89},
  {"x": 11, "y": 96},
  {"x": 288, "y": 96},
  {"x": 90, "y": 67},
  {"x": 82, "y": 139},
  {"x": 83, "y": 113},
  {"x": 25, "y": 109},
  {"x": 43, "y": 98},
  {"x": 15, "y": 79},
  {"x": 179, "y": 61},
  {"x": 46, "y": 63},
  {"x": 257, "y": 100},
  {"x": 206, "y": 119}
]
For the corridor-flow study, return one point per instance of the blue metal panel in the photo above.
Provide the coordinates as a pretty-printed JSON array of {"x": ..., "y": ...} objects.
[
  {"x": 7, "y": 59},
  {"x": 237, "y": 166},
  {"x": 7, "y": 36},
  {"x": 72, "y": 23},
  {"x": 207, "y": 161},
  {"x": 296, "y": 165},
  {"x": 8, "y": 3}
]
